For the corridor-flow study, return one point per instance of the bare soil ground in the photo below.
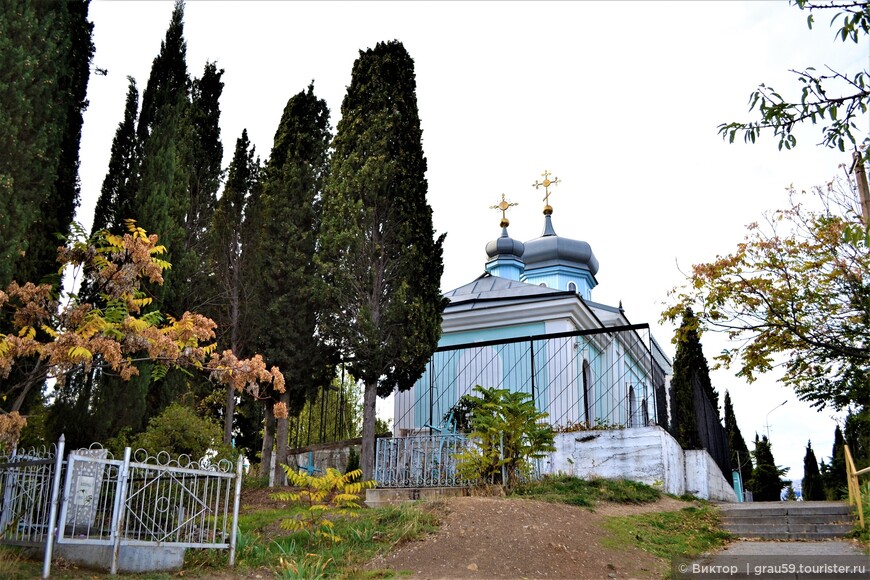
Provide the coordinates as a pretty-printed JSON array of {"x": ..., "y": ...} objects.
[{"x": 484, "y": 537}]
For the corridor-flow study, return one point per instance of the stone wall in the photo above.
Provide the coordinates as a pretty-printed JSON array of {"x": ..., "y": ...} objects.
[{"x": 646, "y": 454}]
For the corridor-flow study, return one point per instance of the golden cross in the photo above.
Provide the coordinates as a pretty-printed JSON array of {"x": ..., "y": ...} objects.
[
  {"x": 546, "y": 184},
  {"x": 503, "y": 206}
]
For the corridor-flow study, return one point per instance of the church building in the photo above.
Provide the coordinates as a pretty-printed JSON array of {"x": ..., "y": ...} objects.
[{"x": 530, "y": 323}]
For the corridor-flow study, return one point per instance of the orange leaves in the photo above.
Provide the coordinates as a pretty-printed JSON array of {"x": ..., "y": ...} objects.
[
  {"x": 67, "y": 334},
  {"x": 796, "y": 290}
]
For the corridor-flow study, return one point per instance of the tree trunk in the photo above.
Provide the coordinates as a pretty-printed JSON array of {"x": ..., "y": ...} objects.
[
  {"x": 282, "y": 442},
  {"x": 229, "y": 411},
  {"x": 367, "y": 451},
  {"x": 268, "y": 433}
]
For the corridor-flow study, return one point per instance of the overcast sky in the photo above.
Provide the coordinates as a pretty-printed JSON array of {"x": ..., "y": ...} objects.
[{"x": 619, "y": 100}]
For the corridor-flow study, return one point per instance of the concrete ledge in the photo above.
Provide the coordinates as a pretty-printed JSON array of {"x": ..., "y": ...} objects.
[
  {"x": 385, "y": 496},
  {"x": 132, "y": 559}
]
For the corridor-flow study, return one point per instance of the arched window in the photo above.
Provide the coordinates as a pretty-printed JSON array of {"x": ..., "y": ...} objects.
[
  {"x": 572, "y": 287},
  {"x": 544, "y": 284}
]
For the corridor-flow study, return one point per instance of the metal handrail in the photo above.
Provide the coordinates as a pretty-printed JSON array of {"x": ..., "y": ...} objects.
[{"x": 852, "y": 482}]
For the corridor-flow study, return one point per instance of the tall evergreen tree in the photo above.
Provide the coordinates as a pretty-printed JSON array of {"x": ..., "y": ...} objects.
[
  {"x": 812, "y": 487},
  {"x": 115, "y": 203},
  {"x": 835, "y": 480},
  {"x": 288, "y": 292},
  {"x": 379, "y": 253},
  {"x": 690, "y": 372},
  {"x": 205, "y": 178},
  {"x": 46, "y": 50},
  {"x": 741, "y": 460},
  {"x": 226, "y": 251},
  {"x": 766, "y": 483},
  {"x": 856, "y": 432}
]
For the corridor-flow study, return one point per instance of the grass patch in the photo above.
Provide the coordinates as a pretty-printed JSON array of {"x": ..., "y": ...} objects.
[
  {"x": 586, "y": 493},
  {"x": 690, "y": 531}
]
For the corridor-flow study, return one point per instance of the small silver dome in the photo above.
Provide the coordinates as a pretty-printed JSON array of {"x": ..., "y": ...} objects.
[{"x": 504, "y": 246}]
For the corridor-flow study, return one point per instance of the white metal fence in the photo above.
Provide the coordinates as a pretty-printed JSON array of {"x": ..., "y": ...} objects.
[{"x": 139, "y": 500}]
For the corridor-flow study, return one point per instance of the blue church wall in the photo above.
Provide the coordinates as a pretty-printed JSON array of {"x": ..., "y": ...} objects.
[
  {"x": 558, "y": 277},
  {"x": 619, "y": 380},
  {"x": 494, "y": 333}
]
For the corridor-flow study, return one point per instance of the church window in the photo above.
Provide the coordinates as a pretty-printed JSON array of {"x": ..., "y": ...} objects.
[
  {"x": 572, "y": 287},
  {"x": 544, "y": 284}
]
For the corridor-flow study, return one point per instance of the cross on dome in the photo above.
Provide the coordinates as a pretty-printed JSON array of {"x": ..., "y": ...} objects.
[
  {"x": 548, "y": 210},
  {"x": 503, "y": 206}
]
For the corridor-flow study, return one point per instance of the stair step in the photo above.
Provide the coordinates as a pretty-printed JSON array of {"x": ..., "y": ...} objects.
[
  {"x": 792, "y": 519},
  {"x": 788, "y": 520}
]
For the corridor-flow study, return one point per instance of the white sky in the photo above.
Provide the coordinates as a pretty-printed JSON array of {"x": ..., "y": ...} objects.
[{"x": 620, "y": 100}]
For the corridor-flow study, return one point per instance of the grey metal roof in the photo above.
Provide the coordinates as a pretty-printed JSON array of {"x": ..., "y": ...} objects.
[
  {"x": 493, "y": 287},
  {"x": 553, "y": 250},
  {"x": 505, "y": 246}
]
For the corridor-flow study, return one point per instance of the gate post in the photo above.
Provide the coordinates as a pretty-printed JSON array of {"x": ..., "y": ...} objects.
[
  {"x": 238, "y": 494},
  {"x": 120, "y": 509},
  {"x": 52, "y": 510}
]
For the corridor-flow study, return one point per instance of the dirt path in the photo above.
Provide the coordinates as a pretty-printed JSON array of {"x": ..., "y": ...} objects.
[{"x": 516, "y": 538}]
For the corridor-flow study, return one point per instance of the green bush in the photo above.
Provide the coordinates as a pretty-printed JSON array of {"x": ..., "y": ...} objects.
[
  {"x": 179, "y": 430},
  {"x": 508, "y": 435}
]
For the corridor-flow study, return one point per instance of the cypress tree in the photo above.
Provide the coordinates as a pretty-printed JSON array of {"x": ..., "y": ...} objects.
[
  {"x": 226, "y": 251},
  {"x": 205, "y": 178},
  {"x": 856, "y": 432},
  {"x": 288, "y": 291},
  {"x": 766, "y": 483},
  {"x": 741, "y": 460},
  {"x": 812, "y": 488},
  {"x": 380, "y": 256},
  {"x": 46, "y": 50},
  {"x": 690, "y": 372},
  {"x": 115, "y": 203},
  {"x": 835, "y": 483}
]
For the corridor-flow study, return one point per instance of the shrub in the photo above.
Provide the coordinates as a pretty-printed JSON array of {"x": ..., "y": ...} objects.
[
  {"x": 324, "y": 496},
  {"x": 507, "y": 434},
  {"x": 180, "y": 431}
]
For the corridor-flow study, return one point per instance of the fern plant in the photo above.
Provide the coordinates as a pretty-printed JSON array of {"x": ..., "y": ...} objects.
[{"x": 325, "y": 497}]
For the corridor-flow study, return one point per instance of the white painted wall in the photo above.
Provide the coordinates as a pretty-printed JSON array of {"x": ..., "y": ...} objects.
[
  {"x": 704, "y": 478},
  {"x": 646, "y": 454}
]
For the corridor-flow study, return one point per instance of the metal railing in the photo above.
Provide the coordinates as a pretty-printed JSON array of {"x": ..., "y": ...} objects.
[
  {"x": 602, "y": 378},
  {"x": 421, "y": 461},
  {"x": 854, "y": 487},
  {"x": 139, "y": 500}
]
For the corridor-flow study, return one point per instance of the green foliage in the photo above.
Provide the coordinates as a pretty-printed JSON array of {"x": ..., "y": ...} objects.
[
  {"x": 178, "y": 430},
  {"x": 741, "y": 459},
  {"x": 856, "y": 433},
  {"x": 795, "y": 288},
  {"x": 116, "y": 202},
  {"x": 463, "y": 412},
  {"x": 835, "y": 474},
  {"x": 46, "y": 50},
  {"x": 690, "y": 372},
  {"x": 379, "y": 257},
  {"x": 790, "y": 494},
  {"x": 812, "y": 487},
  {"x": 836, "y": 100},
  {"x": 766, "y": 482},
  {"x": 586, "y": 493},
  {"x": 692, "y": 530},
  {"x": 508, "y": 433},
  {"x": 352, "y": 460},
  {"x": 325, "y": 497}
]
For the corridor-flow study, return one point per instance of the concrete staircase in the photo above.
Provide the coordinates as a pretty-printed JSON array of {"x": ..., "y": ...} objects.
[{"x": 788, "y": 520}]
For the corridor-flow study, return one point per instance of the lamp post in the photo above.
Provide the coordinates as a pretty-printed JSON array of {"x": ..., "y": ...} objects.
[{"x": 767, "y": 418}]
